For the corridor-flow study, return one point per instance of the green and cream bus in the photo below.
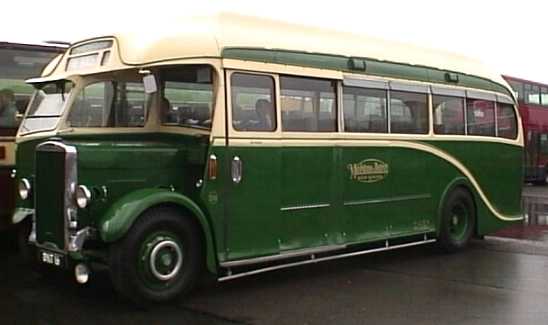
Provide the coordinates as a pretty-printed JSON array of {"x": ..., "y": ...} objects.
[{"x": 233, "y": 145}]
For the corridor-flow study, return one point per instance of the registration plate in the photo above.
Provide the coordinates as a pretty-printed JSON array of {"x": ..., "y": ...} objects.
[{"x": 51, "y": 258}]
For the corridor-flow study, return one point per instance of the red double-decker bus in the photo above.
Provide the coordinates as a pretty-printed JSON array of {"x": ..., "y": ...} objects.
[{"x": 533, "y": 107}]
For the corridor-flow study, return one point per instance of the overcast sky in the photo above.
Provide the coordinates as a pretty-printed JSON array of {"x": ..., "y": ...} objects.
[{"x": 511, "y": 36}]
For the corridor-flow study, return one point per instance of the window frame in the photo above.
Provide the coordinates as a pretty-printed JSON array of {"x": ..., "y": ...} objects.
[
  {"x": 162, "y": 81},
  {"x": 464, "y": 115},
  {"x": 337, "y": 102},
  {"x": 342, "y": 118},
  {"x": 429, "y": 90},
  {"x": 233, "y": 132},
  {"x": 78, "y": 92}
]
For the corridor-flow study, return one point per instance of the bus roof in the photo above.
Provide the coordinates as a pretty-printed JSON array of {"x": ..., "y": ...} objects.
[
  {"x": 507, "y": 78},
  {"x": 227, "y": 34}
]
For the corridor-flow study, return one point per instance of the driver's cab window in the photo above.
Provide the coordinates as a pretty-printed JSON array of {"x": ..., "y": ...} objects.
[
  {"x": 112, "y": 103},
  {"x": 187, "y": 97}
]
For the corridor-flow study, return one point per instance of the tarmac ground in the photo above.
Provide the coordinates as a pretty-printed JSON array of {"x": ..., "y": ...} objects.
[{"x": 501, "y": 279}]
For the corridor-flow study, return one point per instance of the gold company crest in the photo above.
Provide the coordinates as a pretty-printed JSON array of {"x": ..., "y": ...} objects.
[{"x": 368, "y": 171}]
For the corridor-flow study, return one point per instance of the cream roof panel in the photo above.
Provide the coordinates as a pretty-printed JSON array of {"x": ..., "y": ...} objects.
[{"x": 207, "y": 36}]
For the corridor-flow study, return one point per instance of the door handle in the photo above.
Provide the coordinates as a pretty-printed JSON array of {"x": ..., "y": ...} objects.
[{"x": 236, "y": 169}]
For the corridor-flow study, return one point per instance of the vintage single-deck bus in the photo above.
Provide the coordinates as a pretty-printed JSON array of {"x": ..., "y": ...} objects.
[
  {"x": 235, "y": 145},
  {"x": 18, "y": 62}
]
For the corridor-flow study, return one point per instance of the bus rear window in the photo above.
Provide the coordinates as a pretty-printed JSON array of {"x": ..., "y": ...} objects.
[{"x": 506, "y": 121}]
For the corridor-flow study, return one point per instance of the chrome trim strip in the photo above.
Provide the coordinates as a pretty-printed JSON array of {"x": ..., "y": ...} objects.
[
  {"x": 270, "y": 258},
  {"x": 395, "y": 199},
  {"x": 365, "y": 83},
  {"x": 303, "y": 207},
  {"x": 505, "y": 99},
  {"x": 409, "y": 87},
  {"x": 322, "y": 259},
  {"x": 480, "y": 95},
  {"x": 442, "y": 91}
]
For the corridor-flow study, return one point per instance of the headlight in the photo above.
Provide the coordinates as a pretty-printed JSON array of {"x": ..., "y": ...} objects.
[
  {"x": 24, "y": 188},
  {"x": 83, "y": 196}
]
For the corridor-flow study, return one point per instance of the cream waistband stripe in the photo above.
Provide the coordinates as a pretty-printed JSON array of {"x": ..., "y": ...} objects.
[{"x": 375, "y": 143}]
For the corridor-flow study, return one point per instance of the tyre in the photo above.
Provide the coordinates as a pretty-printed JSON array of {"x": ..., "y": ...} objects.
[
  {"x": 457, "y": 222},
  {"x": 159, "y": 259}
]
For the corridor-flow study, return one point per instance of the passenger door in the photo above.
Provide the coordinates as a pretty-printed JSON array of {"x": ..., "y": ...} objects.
[{"x": 253, "y": 224}]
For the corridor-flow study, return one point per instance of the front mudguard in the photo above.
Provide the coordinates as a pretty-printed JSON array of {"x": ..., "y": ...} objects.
[{"x": 122, "y": 214}]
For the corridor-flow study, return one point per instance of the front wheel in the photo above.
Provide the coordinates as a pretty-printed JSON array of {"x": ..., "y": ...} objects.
[
  {"x": 159, "y": 258},
  {"x": 457, "y": 222}
]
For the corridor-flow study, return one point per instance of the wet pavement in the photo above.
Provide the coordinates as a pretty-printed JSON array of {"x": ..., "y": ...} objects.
[{"x": 499, "y": 280}]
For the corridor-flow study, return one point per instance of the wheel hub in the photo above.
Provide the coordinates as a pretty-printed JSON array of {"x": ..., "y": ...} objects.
[{"x": 166, "y": 259}]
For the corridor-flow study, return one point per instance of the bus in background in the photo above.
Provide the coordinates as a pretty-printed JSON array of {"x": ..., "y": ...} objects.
[
  {"x": 533, "y": 107},
  {"x": 18, "y": 62}
]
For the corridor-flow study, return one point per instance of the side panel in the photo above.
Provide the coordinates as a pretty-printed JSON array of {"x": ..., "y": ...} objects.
[
  {"x": 497, "y": 169},
  {"x": 253, "y": 219},
  {"x": 412, "y": 210},
  {"x": 308, "y": 203},
  {"x": 366, "y": 177}
]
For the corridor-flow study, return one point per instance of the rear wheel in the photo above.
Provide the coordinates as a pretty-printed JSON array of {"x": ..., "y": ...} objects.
[
  {"x": 159, "y": 258},
  {"x": 458, "y": 221}
]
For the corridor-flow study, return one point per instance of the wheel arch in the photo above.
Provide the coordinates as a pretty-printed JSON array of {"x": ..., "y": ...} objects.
[
  {"x": 459, "y": 182},
  {"x": 123, "y": 213}
]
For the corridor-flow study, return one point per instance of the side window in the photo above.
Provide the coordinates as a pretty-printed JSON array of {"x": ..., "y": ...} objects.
[
  {"x": 532, "y": 94},
  {"x": 506, "y": 121},
  {"x": 109, "y": 104},
  {"x": 408, "y": 112},
  {"x": 364, "y": 110},
  {"x": 92, "y": 106},
  {"x": 517, "y": 87},
  {"x": 543, "y": 142},
  {"x": 308, "y": 105},
  {"x": 448, "y": 114},
  {"x": 14, "y": 98},
  {"x": 481, "y": 117},
  {"x": 544, "y": 96},
  {"x": 253, "y": 102},
  {"x": 187, "y": 97}
]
